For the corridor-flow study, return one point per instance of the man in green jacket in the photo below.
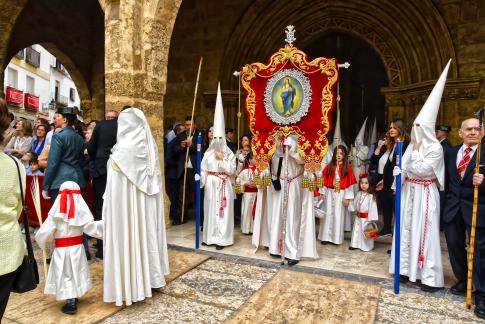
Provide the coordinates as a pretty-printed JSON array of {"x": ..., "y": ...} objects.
[{"x": 66, "y": 158}]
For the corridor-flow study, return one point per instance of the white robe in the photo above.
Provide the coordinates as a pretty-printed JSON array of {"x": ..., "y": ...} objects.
[
  {"x": 363, "y": 203},
  {"x": 135, "y": 245},
  {"x": 413, "y": 215},
  {"x": 300, "y": 222},
  {"x": 337, "y": 219},
  {"x": 218, "y": 227},
  {"x": 262, "y": 217},
  {"x": 359, "y": 155},
  {"x": 248, "y": 199},
  {"x": 68, "y": 275}
]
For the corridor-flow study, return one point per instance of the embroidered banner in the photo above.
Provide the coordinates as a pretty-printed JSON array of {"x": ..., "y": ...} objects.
[{"x": 290, "y": 96}]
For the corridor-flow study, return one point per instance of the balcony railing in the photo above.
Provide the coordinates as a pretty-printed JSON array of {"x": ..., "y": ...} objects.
[
  {"x": 14, "y": 96},
  {"x": 32, "y": 56},
  {"x": 61, "y": 100},
  {"x": 31, "y": 102}
]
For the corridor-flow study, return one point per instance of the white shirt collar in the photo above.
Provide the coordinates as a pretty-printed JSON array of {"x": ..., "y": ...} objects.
[{"x": 464, "y": 146}]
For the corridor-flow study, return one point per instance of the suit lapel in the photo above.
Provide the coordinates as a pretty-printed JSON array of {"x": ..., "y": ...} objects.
[{"x": 454, "y": 168}]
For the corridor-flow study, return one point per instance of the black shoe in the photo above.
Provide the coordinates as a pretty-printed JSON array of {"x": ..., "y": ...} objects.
[
  {"x": 218, "y": 247},
  {"x": 480, "y": 308},
  {"x": 48, "y": 260},
  {"x": 459, "y": 288},
  {"x": 275, "y": 255},
  {"x": 430, "y": 289},
  {"x": 388, "y": 251},
  {"x": 403, "y": 279},
  {"x": 292, "y": 262},
  {"x": 70, "y": 307},
  {"x": 324, "y": 242},
  {"x": 352, "y": 248}
]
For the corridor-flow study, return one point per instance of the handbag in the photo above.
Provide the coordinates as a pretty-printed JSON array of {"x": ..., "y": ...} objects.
[{"x": 27, "y": 276}]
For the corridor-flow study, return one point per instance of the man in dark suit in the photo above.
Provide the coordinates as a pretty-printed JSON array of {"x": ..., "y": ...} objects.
[
  {"x": 66, "y": 158},
  {"x": 230, "y": 139},
  {"x": 183, "y": 141},
  {"x": 442, "y": 132},
  {"x": 457, "y": 217},
  {"x": 99, "y": 150}
]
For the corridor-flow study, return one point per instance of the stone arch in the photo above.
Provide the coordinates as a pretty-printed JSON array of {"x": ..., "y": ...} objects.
[
  {"x": 79, "y": 46},
  {"x": 406, "y": 34}
]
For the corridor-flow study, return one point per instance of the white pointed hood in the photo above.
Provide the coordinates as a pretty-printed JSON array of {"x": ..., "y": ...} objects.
[
  {"x": 337, "y": 135},
  {"x": 424, "y": 130},
  {"x": 373, "y": 133},
  {"x": 359, "y": 140},
  {"x": 219, "y": 125}
]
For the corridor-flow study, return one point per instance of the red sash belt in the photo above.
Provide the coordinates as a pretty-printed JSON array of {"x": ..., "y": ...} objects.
[
  {"x": 250, "y": 189},
  {"x": 65, "y": 193},
  {"x": 363, "y": 215},
  {"x": 68, "y": 241}
]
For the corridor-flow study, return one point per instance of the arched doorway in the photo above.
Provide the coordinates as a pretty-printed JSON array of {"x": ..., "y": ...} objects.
[
  {"x": 73, "y": 31},
  {"x": 360, "y": 85}
]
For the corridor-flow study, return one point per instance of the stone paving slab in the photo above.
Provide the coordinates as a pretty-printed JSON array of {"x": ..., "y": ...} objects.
[
  {"x": 296, "y": 297},
  {"x": 422, "y": 308}
]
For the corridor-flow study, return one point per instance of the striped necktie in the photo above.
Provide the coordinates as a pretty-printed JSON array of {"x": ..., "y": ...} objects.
[{"x": 464, "y": 162}]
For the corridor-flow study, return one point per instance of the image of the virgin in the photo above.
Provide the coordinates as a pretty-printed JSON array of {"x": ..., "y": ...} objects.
[{"x": 288, "y": 93}]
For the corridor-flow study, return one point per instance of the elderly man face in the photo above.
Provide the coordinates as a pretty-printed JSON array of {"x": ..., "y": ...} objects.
[{"x": 470, "y": 132}]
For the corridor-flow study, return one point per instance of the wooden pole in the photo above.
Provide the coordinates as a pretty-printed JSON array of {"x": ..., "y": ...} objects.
[
  {"x": 190, "y": 136},
  {"x": 471, "y": 251}
]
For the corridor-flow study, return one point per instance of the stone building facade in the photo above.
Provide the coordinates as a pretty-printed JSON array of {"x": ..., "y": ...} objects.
[{"x": 146, "y": 52}]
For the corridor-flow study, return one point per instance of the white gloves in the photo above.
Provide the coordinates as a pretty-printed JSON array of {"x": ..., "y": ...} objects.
[
  {"x": 396, "y": 171},
  {"x": 45, "y": 194},
  {"x": 197, "y": 177}
]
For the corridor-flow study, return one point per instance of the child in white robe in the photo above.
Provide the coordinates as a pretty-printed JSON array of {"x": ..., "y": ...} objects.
[
  {"x": 365, "y": 208},
  {"x": 245, "y": 179},
  {"x": 338, "y": 192},
  {"x": 68, "y": 219}
]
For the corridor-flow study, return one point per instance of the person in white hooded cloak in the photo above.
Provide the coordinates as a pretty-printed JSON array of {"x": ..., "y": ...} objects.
[
  {"x": 218, "y": 167},
  {"x": 358, "y": 154},
  {"x": 135, "y": 245},
  {"x": 67, "y": 220},
  {"x": 423, "y": 174}
]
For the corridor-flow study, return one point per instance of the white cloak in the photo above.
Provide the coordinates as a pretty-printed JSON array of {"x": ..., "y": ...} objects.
[
  {"x": 300, "y": 222},
  {"x": 337, "y": 217},
  {"x": 262, "y": 216},
  {"x": 363, "y": 203},
  {"x": 68, "y": 275},
  {"x": 359, "y": 155},
  {"x": 218, "y": 227},
  {"x": 248, "y": 199},
  {"x": 413, "y": 215}
]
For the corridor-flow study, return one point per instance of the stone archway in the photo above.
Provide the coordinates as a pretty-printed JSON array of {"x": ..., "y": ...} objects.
[
  {"x": 79, "y": 46},
  {"x": 410, "y": 37}
]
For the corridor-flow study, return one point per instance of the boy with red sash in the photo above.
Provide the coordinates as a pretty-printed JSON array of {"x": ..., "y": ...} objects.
[{"x": 68, "y": 219}]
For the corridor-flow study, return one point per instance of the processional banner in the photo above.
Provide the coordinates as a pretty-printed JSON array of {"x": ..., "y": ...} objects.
[{"x": 290, "y": 95}]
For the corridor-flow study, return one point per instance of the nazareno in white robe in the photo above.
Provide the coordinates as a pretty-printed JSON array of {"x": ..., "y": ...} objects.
[
  {"x": 248, "y": 199},
  {"x": 68, "y": 275},
  {"x": 359, "y": 155},
  {"x": 337, "y": 218},
  {"x": 218, "y": 223},
  {"x": 268, "y": 202},
  {"x": 363, "y": 203},
  {"x": 300, "y": 222},
  {"x": 135, "y": 245},
  {"x": 413, "y": 219}
]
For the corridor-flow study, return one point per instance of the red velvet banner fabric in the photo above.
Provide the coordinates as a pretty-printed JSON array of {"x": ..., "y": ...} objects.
[{"x": 310, "y": 89}]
